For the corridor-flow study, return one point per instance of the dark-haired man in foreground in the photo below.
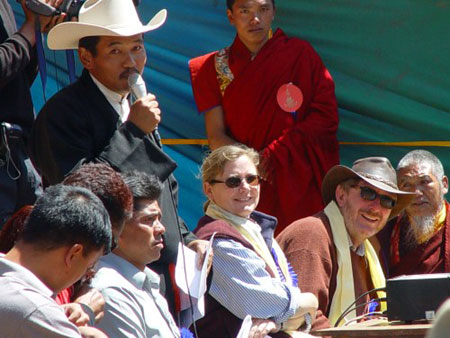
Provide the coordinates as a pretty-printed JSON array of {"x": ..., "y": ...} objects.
[
  {"x": 64, "y": 236},
  {"x": 109, "y": 187},
  {"x": 237, "y": 88},
  {"x": 134, "y": 307}
]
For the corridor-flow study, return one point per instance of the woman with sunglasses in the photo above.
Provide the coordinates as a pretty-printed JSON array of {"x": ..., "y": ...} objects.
[{"x": 251, "y": 275}]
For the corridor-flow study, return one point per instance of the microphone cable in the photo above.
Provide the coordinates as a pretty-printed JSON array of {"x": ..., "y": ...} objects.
[
  {"x": 140, "y": 90},
  {"x": 184, "y": 257},
  {"x": 346, "y": 311},
  {"x": 375, "y": 313}
]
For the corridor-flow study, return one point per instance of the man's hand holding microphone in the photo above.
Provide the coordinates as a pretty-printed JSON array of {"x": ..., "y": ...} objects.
[{"x": 145, "y": 112}]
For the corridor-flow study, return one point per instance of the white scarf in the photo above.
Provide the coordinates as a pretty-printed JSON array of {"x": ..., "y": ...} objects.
[{"x": 344, "y": 294}]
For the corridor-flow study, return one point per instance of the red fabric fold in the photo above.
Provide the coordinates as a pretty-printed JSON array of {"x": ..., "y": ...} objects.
[
  {"x": 429, "y": 257},
  {"x": 299, "y": 152}
]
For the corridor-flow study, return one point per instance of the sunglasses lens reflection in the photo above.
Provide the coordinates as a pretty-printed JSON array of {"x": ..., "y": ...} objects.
[
  {"x": 369, "y": 194},
  {"x": 234, "y": 181}
]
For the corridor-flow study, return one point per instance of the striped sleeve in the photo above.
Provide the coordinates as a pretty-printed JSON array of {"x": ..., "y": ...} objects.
[{"x": 242, "y": 284}]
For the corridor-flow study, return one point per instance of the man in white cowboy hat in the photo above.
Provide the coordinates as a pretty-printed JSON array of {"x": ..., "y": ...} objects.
[
  {"x": 330, "y": 251},
  {"x": 91, "y": 120}
]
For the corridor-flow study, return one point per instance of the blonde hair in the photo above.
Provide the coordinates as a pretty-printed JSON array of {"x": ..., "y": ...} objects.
[{"x": 214, "y": 164}]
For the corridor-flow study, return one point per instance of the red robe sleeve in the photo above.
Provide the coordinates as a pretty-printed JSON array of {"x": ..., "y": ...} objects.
[{"x": 204, "y": 82}]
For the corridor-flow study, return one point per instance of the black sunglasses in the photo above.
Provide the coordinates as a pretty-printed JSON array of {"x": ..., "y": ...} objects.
[
  {"x": 369, "y": 194},
  {"x": 235, "y": 181}
]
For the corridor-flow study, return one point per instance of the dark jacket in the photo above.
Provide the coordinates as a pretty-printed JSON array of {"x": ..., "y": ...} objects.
[
  {"x": 18, "y": 68},
  {"x": 78, "y": 125}
]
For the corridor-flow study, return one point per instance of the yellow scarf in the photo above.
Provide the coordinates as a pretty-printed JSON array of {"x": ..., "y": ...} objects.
[
  {"x": 251, "y": 231},
  {"x": 345, "y": 288}
]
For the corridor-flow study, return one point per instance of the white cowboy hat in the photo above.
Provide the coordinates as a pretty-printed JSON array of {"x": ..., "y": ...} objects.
[{"x": 102, "y": 17}]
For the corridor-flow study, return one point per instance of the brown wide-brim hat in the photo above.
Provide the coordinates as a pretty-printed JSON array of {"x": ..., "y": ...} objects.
[{"x": 376, "y": 171}]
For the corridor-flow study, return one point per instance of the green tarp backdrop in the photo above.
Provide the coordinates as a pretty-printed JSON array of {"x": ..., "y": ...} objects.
[{"x": 390, "y": 60}]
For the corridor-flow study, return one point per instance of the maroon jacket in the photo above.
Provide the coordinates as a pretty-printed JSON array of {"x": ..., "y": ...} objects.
[
  {"x": 218, "y": 321},
  {"x": 309, "y": 247}
]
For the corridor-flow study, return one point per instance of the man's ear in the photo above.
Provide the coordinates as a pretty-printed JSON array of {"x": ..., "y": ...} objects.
[
  {"x": 340, "y": 195},
  {"x": 230, "y": 16},
  {"x": 445, "y": 184},
  {"x": 73, "y": 253},
  {"x": 86, "y": 58}
]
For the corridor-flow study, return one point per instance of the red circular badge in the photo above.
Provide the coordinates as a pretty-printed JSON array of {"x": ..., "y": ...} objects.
[{"x": 289, "y": 97}]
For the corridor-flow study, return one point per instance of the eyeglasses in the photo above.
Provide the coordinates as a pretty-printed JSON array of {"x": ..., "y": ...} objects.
[
  {"x": 235, "y": 181},
  {"x": 369, "y": 194}
]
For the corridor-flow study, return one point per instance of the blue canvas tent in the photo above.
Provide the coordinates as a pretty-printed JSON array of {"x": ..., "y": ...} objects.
[{"x": 390, "y": 61}]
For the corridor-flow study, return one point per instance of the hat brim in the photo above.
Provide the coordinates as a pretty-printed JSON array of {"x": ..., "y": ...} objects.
[
  {"x": 341, "y": 173},
  {"x": 66, "y": 35}
]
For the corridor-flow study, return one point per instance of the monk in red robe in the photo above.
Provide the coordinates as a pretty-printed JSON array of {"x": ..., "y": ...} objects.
[
  {"x": 236, "y": 88},
  {"x": 418, "y": 241}
]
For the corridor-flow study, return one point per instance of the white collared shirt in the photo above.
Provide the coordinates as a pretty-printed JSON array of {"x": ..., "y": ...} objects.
[
  {"x": 117, "y": 101},
  {"x": 360, "y": 250},
  {"x": 134, "y": 307}
]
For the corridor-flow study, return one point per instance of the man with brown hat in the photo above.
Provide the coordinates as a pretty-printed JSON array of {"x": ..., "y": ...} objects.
[{"x": 331, "y": 252}]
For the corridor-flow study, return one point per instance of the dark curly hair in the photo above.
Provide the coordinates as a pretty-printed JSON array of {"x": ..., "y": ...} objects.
[{"x": 108, "y": 185}]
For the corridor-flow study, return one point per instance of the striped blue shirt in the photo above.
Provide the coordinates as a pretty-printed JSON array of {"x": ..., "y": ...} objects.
[{"x": 242, "y": 284}]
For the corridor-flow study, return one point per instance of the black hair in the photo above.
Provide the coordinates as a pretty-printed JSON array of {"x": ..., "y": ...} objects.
[
  {"x": 89, "y": 43},
  {"x": 64, "y": 216},
  {"x": 142, "y": 185},
  {"x": 230, "y": 4},
  {"x": 108, "y": 185}
]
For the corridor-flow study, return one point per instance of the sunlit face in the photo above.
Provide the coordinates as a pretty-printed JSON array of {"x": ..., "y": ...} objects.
[
  {"x": 253, "y": 20},
  {"x": 362, "y": 218},
  {"x": 242, "y": 200},
  {"x": 141, "y": 240},
  {"x": 420, "y": 179},
  {"x": 117, "y": 57}
]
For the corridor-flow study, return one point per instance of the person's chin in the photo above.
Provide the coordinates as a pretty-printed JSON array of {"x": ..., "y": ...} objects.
[
  {"x": 245, "y": 212},
  {"x": 156, "y": 255}
]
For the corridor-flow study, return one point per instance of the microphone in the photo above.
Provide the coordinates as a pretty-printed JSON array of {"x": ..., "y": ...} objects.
[{"x": 139, "y": 90}]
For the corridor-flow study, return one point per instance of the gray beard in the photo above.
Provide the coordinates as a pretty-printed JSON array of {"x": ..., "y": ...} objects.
[{"x": 419, "y": 225}]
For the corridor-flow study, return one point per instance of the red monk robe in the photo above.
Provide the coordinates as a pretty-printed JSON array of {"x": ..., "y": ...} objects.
[
  {"x": 299, "y": 152},
  {"x": 433, "y": 256}
]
